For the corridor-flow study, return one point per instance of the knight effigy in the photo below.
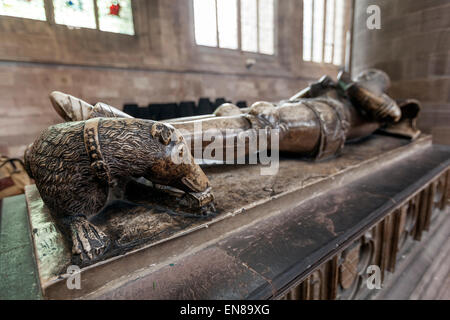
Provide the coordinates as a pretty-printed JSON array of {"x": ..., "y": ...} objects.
[{"x": 83, "y": 164}]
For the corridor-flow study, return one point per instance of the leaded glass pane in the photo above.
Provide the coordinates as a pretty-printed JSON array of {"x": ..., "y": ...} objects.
[
  {"x": 339, "y": 32},
  {"x": 205, "y": 22},
  {"x": 75, "y": 13},
  {"x": 115, "y": 16},
  {"x": 227, "y": 22},
  {"x": 249, "y": 25},
  {"x": 30, "y": 9},
  {"x": 307, "y": 29},
  {"x": 329, "y": 32},
  {"x": 318, "y": 25},
  {"x": 266, "y": 26}
]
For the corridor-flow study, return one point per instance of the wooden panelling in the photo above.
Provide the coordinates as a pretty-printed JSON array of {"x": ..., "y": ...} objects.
[{"x": 344, "y": 276}]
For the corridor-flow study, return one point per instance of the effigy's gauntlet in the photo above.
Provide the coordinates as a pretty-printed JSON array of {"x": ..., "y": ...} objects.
[{"x": 368, "y": 93}]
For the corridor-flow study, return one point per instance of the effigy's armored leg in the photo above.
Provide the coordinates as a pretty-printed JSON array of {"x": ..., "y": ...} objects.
[
  {"x": 314, "y": 128},
  {"x": 75, "y": 164}
]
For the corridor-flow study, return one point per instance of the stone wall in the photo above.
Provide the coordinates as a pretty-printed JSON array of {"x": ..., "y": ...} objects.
[
  {"x": 413, "y": 47},
  {"x": 160, "y": 64}
]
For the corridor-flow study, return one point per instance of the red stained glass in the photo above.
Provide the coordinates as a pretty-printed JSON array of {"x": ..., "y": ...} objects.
[{"x": 114, "y": 9}]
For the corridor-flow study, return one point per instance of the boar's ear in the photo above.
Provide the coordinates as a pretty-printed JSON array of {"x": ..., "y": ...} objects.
[{"x": 165, "y": 132}]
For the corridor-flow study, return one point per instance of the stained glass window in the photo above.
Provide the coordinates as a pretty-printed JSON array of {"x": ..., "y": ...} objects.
[
  {"x": 205, "y": 22},
  {"x": 339, "y": 32},
  {"x": 329, "y": 32},
  {"x": 266, "y": 26},
  {"x": 307, "y": 29},
  {"x": 75, "y": 13},
  {"x": 257, "y": 26},
  {"x": 227, "y": 23},
  {"x": 318, "y": 24},
  {"x": 249, "y": 25},
  {"x": 323, "y": 30},
  {"x": 216, "y": 24},
  {"x": 30, "y": 9},
  {"x": 115, "y": 16}
]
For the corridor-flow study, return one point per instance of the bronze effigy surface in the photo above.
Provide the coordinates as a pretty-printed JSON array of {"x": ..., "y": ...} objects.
[{"x": 144, "y": 234}]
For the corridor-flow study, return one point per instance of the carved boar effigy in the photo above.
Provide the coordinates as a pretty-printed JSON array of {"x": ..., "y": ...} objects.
[{"x": 76, "y": 164}]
